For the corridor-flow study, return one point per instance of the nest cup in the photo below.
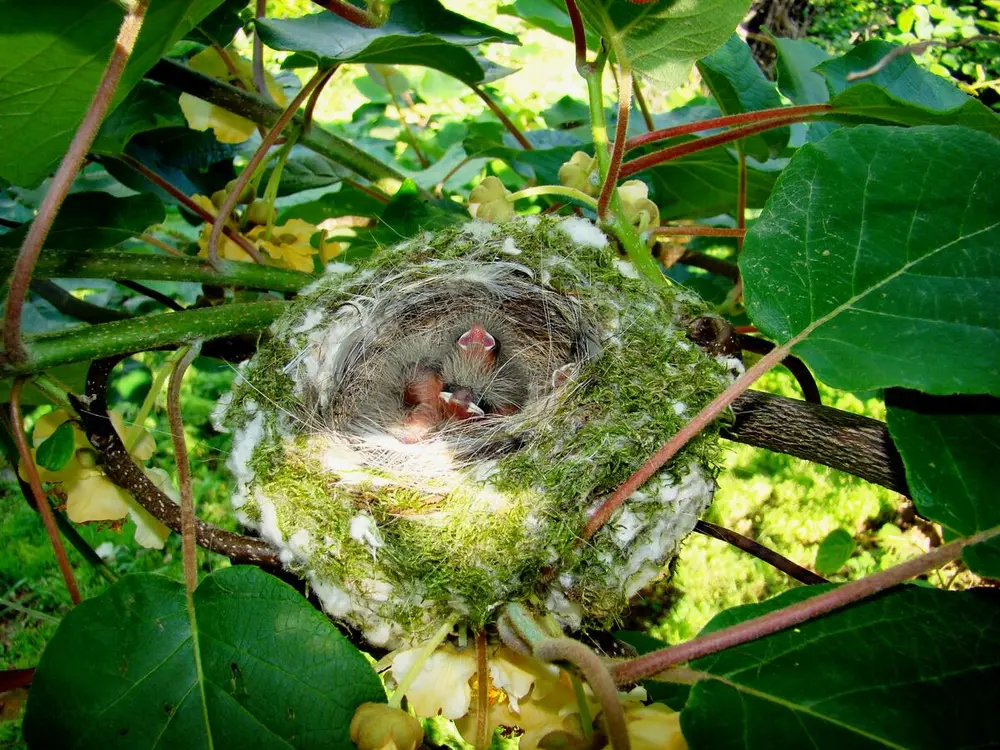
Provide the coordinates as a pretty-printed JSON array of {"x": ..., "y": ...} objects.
[{"x": 402, "y": 523}]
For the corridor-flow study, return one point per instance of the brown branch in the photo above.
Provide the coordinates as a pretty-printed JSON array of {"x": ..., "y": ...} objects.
[
  {"x": 772, "y": 558},
  {"x": 145, "y": 291},
  {"x": 63, "y": 179},
  {"x": 357, "y": 16},
  {"x": 67, "y": 304},
  {"x": 695, "y": 230},
  {"x": 41, "y": 500},
  {"x": 810, "y": 391},
  {"x": 918, "y": 49},
  {"x": 502, "y": 116},
  {"x": 713, "y": 265},
  {"x": 188, "y": 549},
  {"x": 618, "y": 147},
  {"x": 857, "y": 445},
  {"x": 310, "y": 108},
  {"x": 579, "y": 35},
  {"x": 123, "y": 471}
]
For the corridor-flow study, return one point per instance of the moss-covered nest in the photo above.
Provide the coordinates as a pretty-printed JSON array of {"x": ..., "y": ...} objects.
[{"x": 426, "y": 432}]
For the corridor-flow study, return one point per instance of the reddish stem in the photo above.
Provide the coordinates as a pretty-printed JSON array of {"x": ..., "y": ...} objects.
[
  {"x": 41, "y": 501},
  {"x": 352, "y": 13},
  {"x": 63, "y": 179},
  {"x": 618, "y": 148},
  {"x": 650, "y": 664},
  {"x": 701, "y": 144},
  {"x": 502, "y": 116},
  {"x": 189, "y": 545},
  {"x": 741, "y": 201},
  {"x": 579, "y": 35},
  {"x": 745, "y": 329},
  {"x": 189, "y": 204},
  {"x": 696, "y": 231},
  {"x": 758, "y": 550},
  {"x": 307, "y": 113},
  {"x": 802, "y": 112}
]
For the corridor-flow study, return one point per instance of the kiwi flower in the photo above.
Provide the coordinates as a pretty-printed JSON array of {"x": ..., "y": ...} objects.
[
  {"x": 580, "y": 172},
  {"x": 488, "y": 201}
]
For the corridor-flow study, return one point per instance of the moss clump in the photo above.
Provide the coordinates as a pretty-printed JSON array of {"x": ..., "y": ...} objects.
[{"x": 397, "y": 537}]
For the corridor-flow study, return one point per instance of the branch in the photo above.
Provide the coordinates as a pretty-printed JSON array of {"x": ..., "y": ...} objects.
[
  {"x": 857, "y": 445},
  {"x": 67, "y": 304},
  {"x": 758, "y": 550},
  {"x": 124, "y": 472},
  {"x": 579, "y": 36},
  {"x": 918, "y": 49},
  {"x": 806, "y": 381},
  {"x": 354, "y": 14},
  {"x": 254, "y": 108},
  {"x": 618, "y": 147},
  {"x": 63, "y": 179},
  {"x": 713, "y": 265},
  {"x": 188, "y": 551},
  {"x": 502, "y": 116}
]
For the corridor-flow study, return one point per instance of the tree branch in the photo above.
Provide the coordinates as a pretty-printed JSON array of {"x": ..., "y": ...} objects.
[{"x": 758, "y": 550}]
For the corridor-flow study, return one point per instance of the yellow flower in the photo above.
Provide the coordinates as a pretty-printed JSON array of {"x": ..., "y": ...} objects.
[
  {"x": 488, "y": 201},
  {"x": 639, "y": 209},
  {"x": 201, "y": 115},
  {"x": 377, "y": 726},
  {"x": 288, "y": 246},
  {"x": 90, "y": 495},
  {"x": 228, "y": 250},
  {"x": 580, "y": 172},
  {"x": 442, "y": 686},
  {"x": 653, "y": 727}
]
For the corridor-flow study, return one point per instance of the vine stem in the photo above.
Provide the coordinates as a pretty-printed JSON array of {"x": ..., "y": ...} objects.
[
  {"x": 396, "y": 699},
  {"x": 643, "y": 107},
  {"x": 65, "y": 174},
  {"x": 805, "y": 112},
  {"x": 762, "y": 553},
  {"x": 226, "y": 209},
  {"x": 189, "y": 547},
  {"x": 566, "y": 192},
  {"x": 695, "y": 231},
  {"x": 741, "y": 199},
  {"x": 158, "y": 243},
  {"x": 259, "y": 82},
  {"x": 579, "y": 36},
  {"x": 650, "y": 664},
  {"x": 41, "y": 501},
  {"x": 189, "y": 204},
  {"x": 354, "y": 14},
  {"x": 618, "y": 147},
  {"x": 502, "y": 116},
  {"x": 683, "y": 149},
  {"x": 482, "y": 694}
]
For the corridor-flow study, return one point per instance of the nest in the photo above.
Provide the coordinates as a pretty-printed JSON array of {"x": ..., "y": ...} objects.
[{"x": 426, "y": 432}]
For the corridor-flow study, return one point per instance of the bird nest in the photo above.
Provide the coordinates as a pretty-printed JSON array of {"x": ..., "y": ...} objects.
[{"x": 424, "y": 435}]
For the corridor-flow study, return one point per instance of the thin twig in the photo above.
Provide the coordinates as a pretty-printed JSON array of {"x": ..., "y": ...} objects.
[
  {"x": 406, "y": 126},
  {"x": 643, "y": 107},
  {"x": 347, "y": 11},
  {"x": 189, "y": 204},
  {"x": 158, "y": 243},
  {"x": 307, "y": 113},
  {"x": 144, "y": 290},
  {"x": 717, "y": 266},
  {"x": 618, "y": 147},
  {"x": 233, "y": 195},
  {"x": 806, "y": 381},
  {"x": 41, "y": 501},
  {"x": 695, "y": 230},
  {"x": 482, "y": 694},
  {"x": 741, "y": 198},
  {"x": 579, "y": 36},
  {"x": 650, "y": 664},
  {"x": 918, "y": 48},
  {"x": 758, "y": 550},
  {"x": 188, "y": 546},
  {"x": 803, "y": 112},
  {"x": 259, "y": 82},
  {"x": 67, "y": 304},
  {"x": 502, "y": 116},
  {"x": 63, "y": 179}
]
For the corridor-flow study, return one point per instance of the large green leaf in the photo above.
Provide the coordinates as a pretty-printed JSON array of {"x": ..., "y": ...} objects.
[
  {"x": 418, "y": 32},
  {"x": 549, "y": 15},
  {"x": 795, "y": 67},
  {"x": 738, "y": 85},
  {"x": 149, "y": 106},
  {"x": 950, "y": 446},
  {"x": 915, "y": 668},
  {"x": 662, "y": 39},
  {"x": 252, "y": 666},
  {"x": 878, "y": 246},
  {"x": 51, "y": 60},
  {"x": 96, "y": 220},
  {"x": 348, "y": 201}
]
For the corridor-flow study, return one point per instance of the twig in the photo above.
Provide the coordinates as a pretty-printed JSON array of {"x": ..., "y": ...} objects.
[
  {"x": 144, "y": 290},
  {"x": 741, "y": 198},
  {"x": 618, "y": 147},
  {"x": 918, "y": 48},
  {"x": 233, "y": 195},
  {"x": 482, "y": 694},
  {"x": 695, "y": 230},
  {"x": 806, "y": 381},
  {"x": 502, "y": 116},
  {"x": 772, "y": 558},
  {"x": 717, "y": 266},
  {"x": 41, "y": 501},
  {"x": 804, "y": 112},
  {"x": 643, "y": 107},
  {"x": 188, "y": 548},
  {"x": 67, "y": 304},
  {"x": 406, "y": 126},
  {"x": 189, "y": 204},
  {"x": 347, "y": 11},
  {"x": 259, "y": 82},
  {"x": 158, "y": 243},
  {"x": 68, "y": 168},
  {"x": 307, "y": 113},
  {"x": 650, "y": 664},
  {"x": 579, "y": 36}
]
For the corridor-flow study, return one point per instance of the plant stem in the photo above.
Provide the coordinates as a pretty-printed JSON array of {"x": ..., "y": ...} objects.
[
  {"x": 566, "y": 192},
  {"x": 683, "y": 149},
  {"x": 758, "y": 550},
  {"x": 259, "y": 82},
  {"x": 65, "y": 174},
  {"x": 643, "y": 107},
  {"x": 502, "y": 116},
  {"x": 650, "y": 664},
  {"x": 188, "y": 546},
  {"x": 160, "y": 244},
  {"x": 482, "y": 694},
  {"x": 41, "y": 501},
  {"x": 618, "y": 148},
  {"x": 354, "y": 14},
  {"x": 233, "y": 195},
  {"x": 396, "y": 699},
  {"x": 159, "y": 330},
  {"x": 307, "y": 113},
  {"x": 803, "y": 112},
  {"x": 741, "y": 198},
  {"x": 189, "y": 204},
  {"x": 152, "y": 294},
  {"x": 579, "y": 36},
  {"x": 67, "y": 304},
  {"x": 406, "y": 126},
  {"x": 695, "y": 231}
]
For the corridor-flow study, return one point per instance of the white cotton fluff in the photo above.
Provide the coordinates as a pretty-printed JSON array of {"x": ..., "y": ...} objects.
[{"x": 582, "y": 232}]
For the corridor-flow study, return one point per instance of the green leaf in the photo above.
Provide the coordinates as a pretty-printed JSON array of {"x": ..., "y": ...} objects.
[
  {"x": 796, "y": 70},
  {"x": 96, "y": 220},
  {"x": 222, "y": 24},
  {"x": 663, "y": 39},
  {"x": 51, "y": 61},
  {"x": 950, "y": 446},
  {"x": 306, "y": 170},
  {"x": 738, "y": 86},
  {"x": 347, "y": 201},
  {"x": 418, "y": 32},
  {"x": 57, "y": 449},
  {"x": 252, "y": 666},
  {"x": 914, "y": 668},
  {"x": 548, "y": 15},
  {"x": 884, "y": 263},
  {"x": 148, "y": 106},
  {"x": 834, "y": 552}
]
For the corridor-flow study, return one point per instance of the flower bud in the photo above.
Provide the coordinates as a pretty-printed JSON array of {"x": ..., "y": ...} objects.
[
  {"x": 639, "y": 209},
  {"x": 488, "y": 201},
  {"x": 580, "y": 172},
  {"x": 257, "y": 213},
  {"x": 377, "y": 726},
  {"x": 247, "y": 196}
]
